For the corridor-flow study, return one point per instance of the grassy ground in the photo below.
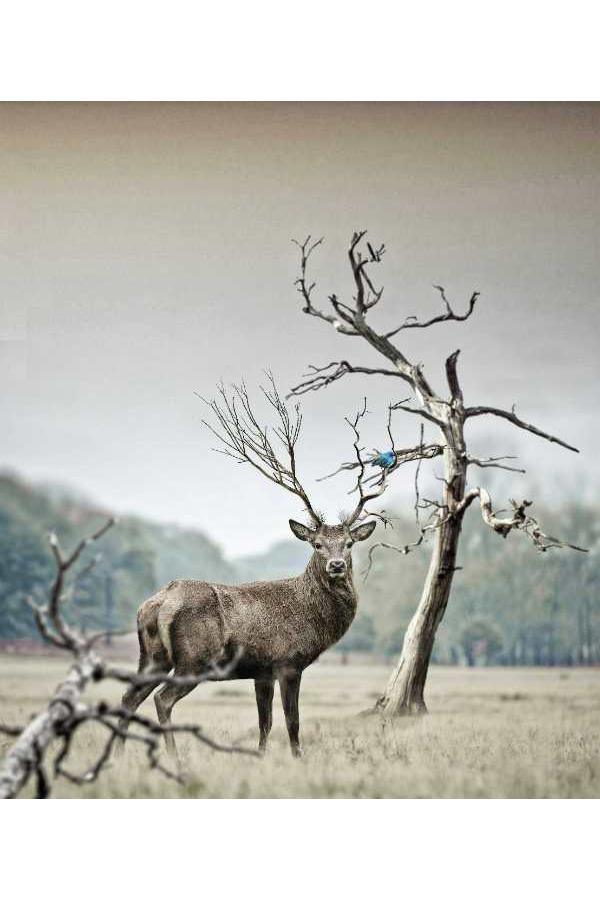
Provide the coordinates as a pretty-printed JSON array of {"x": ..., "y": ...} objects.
[{"x": 490, "y": 733}]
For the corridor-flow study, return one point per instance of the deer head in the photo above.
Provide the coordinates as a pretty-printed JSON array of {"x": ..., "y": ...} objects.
[{"x": 333, "y": 544}]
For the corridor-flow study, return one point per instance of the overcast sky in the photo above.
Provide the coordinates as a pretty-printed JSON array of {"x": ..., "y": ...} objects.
[{"x": 145, "y": 254}]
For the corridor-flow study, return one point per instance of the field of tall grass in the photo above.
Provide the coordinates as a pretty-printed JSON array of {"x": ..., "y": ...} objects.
[{"x": 490, "y": 733}]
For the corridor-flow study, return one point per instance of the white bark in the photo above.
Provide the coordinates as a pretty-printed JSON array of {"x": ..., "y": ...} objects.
[{"x": 26, "y": 754}]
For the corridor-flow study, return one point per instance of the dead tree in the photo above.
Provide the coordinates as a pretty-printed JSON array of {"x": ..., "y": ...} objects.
[
  {"x": 30, "y": 756},
  {"x": 449, "y": 414}
]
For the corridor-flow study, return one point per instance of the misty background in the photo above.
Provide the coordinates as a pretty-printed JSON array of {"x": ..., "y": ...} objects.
[{"x": 145, "y": 253}]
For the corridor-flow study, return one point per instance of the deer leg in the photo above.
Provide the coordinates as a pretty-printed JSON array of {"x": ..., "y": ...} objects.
[
  {"x": 165, "y": 700},
  {"x": 289, "y": 685},
  {"x": 132, "y": 698},
  {"x": 135, "y": 696},
  {"x": 264, "y": 701}
]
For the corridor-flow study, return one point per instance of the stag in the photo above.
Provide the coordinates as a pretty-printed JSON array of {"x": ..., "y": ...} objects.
[{"x": 265, "y": 630}]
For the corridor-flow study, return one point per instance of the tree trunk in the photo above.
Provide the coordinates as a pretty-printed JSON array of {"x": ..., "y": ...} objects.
[{"x": 404, "y": 692}]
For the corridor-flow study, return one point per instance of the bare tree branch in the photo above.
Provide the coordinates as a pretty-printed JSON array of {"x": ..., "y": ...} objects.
[
  {"x": 366, "y": 294},
  {"x": 365, "y": 298},
  {"x": 438, "y": 517},
  {"x": 214, "y": 671},
  {"x": 519, "y": 521},
  {"x": 65, "y": 636},
  {"x": 401, "y": 406},
  {"x": 402, "y": 456},
  {"x": 148, "y": 735},
  {"x": 363, "y": 496},
  {"x": 493, "y": 462},
  {"x": 321, "y": 376},
  {"x": 473, "y": 411},
  {"x": 452, "y": 377},
  {"x": 305, "y": 289},
  {"x": 448, "y": 316},
  {"x": 404, "y": 550}
]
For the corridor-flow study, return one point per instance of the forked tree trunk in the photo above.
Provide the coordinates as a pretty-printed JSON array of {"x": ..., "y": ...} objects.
[{"x": 404, "y": 693}]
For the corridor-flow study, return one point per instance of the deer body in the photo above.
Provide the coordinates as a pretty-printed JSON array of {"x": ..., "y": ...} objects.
[
  {"x": 271, "y": 629},
  {"x": 270, "y": 623},
  {"x": 264, "y": 630}
]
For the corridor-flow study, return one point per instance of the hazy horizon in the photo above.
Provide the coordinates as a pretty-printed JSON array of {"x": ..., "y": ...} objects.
[{"x": 146, "y": 254}]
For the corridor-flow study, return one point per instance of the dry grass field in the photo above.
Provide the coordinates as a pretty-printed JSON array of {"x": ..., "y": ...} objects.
[{"x": 490, "y": 733}]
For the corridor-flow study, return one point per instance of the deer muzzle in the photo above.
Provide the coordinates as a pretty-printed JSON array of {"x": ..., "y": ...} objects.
[{"x": 336, "y": 568}]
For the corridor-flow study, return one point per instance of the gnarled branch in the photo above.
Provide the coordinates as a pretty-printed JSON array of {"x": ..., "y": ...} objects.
[{"x": 520, "y": 520}]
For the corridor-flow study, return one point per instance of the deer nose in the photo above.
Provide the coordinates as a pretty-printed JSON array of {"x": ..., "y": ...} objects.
[{"x": 336, "y": 566}]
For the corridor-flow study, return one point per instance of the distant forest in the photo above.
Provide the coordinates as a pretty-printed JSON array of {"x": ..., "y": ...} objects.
[{"x": 510, "y": 604}]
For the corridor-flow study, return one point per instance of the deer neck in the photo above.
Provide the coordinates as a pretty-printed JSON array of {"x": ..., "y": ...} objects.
[{"x": 334, "y": 601}]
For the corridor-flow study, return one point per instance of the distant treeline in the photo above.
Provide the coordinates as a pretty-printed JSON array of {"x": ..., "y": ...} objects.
[
  {"x": 510, "y": 605},
  {"x": 136, "y": 557}
]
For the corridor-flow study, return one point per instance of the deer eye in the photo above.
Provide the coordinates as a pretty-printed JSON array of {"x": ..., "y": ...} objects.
[
  {"x": 318, "y": 545},
  {"x": 349, "y": 544}
]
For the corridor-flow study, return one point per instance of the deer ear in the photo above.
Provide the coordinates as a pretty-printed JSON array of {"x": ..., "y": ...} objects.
[
  {"x": 362, "y": 532},
  {"x": 301, "y": 531}
]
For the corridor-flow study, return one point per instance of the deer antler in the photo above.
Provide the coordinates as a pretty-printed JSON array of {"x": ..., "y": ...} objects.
[
  {"x": 364, "y": 496},
  {"x": 247, "y": 441}
]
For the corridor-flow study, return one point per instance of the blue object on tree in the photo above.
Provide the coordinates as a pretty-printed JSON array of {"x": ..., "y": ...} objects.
[{"x": 386, "y": 460}]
